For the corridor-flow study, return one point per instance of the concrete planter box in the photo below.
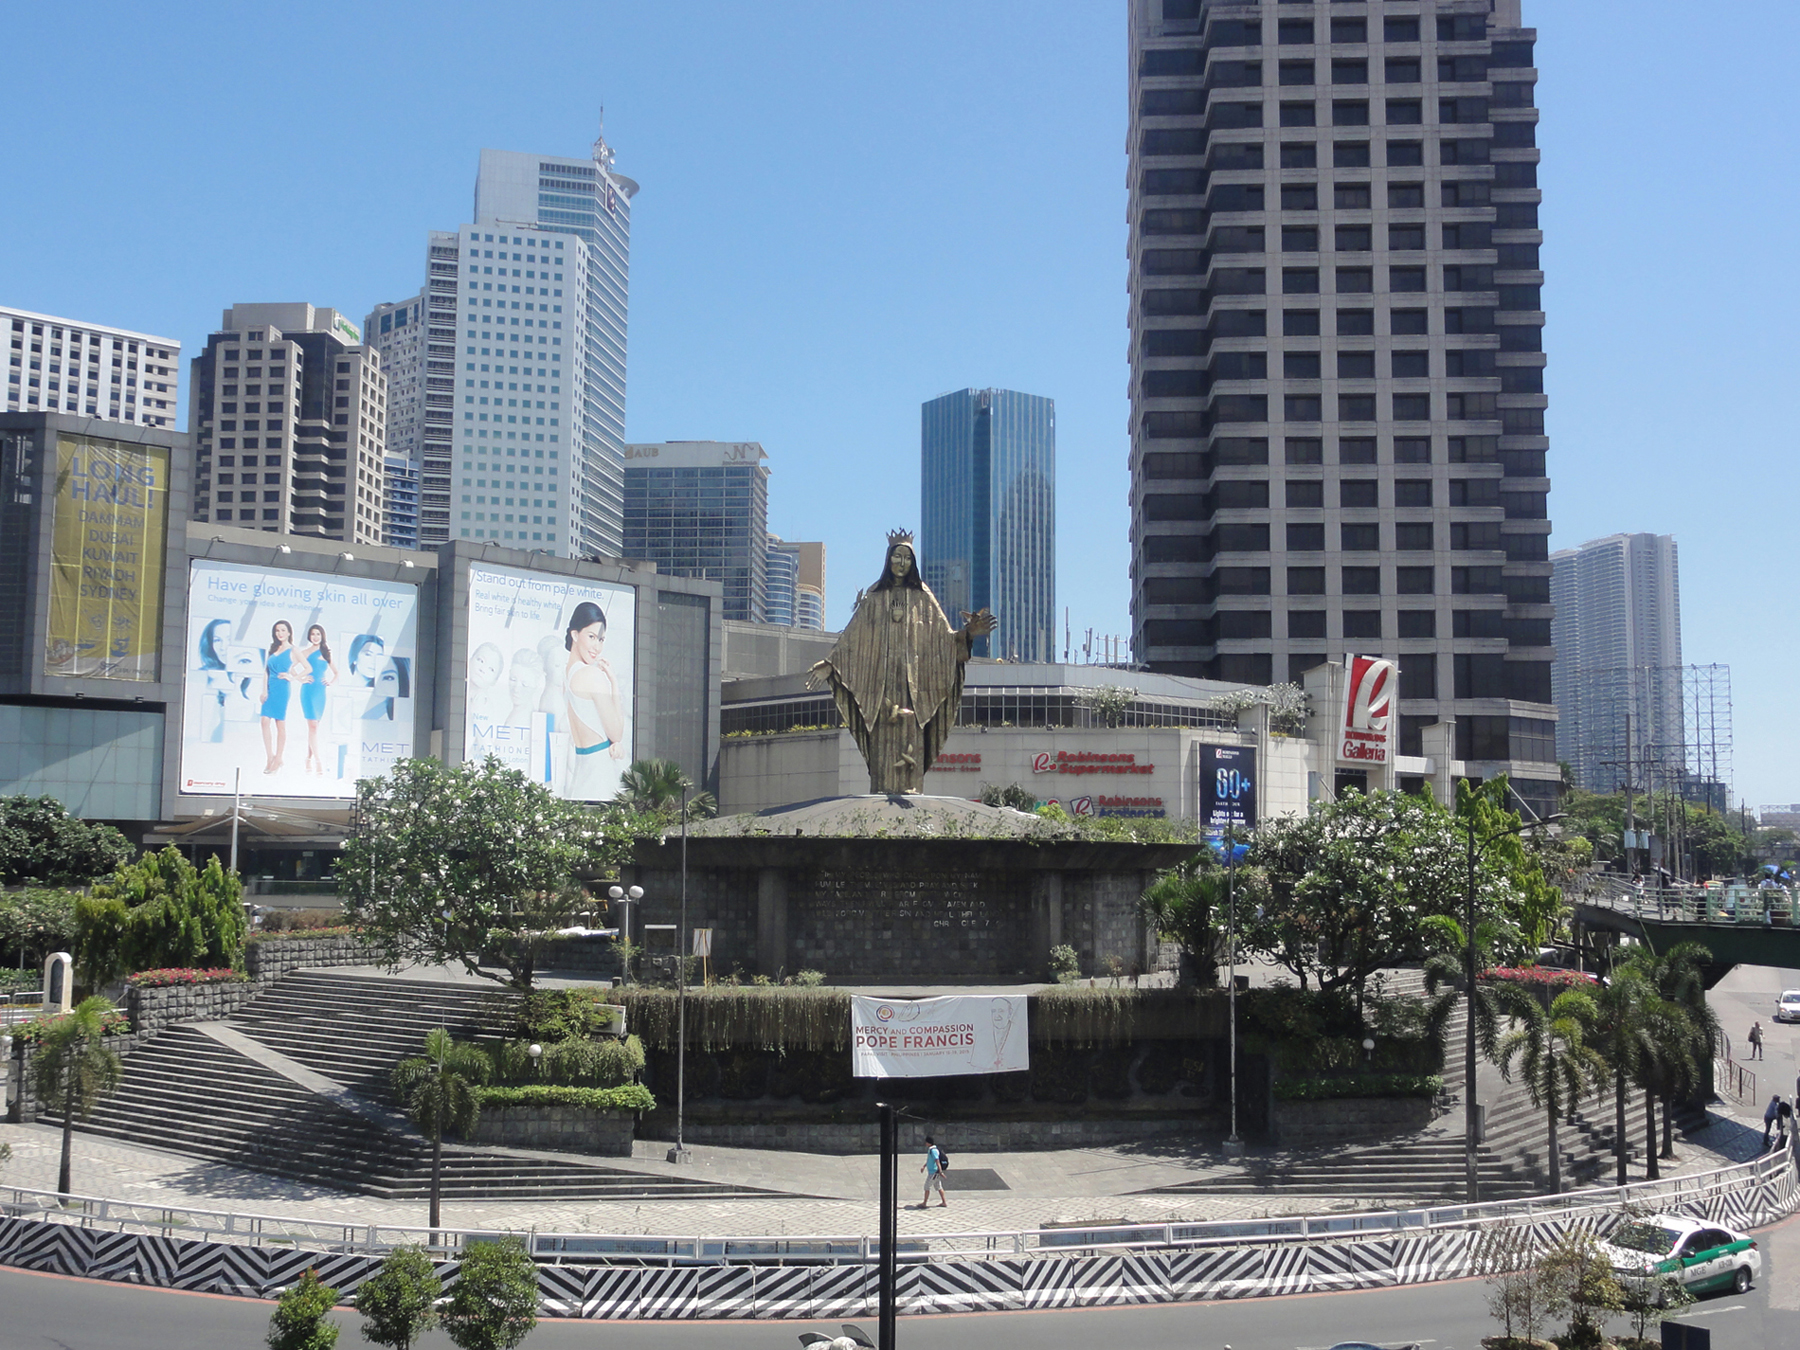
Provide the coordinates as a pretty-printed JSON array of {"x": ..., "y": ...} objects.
[
  {"x": 153, "y": 1009},
  {"x": 1301, "y": 1124},
  {"x": 565, "y": 1129}
]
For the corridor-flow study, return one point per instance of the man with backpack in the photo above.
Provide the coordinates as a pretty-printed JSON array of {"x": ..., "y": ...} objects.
[{"x": 937, "y": 1162}]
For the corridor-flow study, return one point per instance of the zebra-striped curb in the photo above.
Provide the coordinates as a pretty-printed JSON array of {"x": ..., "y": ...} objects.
[{"x": 1098, "y": 1275}]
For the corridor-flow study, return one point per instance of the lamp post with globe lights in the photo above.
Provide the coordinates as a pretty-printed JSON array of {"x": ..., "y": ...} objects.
[{"x": 625, "y": 897}]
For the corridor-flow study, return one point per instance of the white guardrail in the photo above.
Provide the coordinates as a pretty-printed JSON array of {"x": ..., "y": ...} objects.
[{"x": 1703, "y": 1191}]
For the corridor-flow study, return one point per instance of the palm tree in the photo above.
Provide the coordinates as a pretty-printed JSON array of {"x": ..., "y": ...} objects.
[
  {"x": 1670, "y": 1070},
  {"x": 1557, "y": 1064},
  {"x": 438, "y": 1090},
  {"x": 73, "y": 1062},
  {"x": 655, "y": 786},
  {"x": 1186, "y": 904},
  {"x": 1445, "y": 977},
  {"x": 1679, "y": 976},
  {"x": 1629, "y": 1039}
]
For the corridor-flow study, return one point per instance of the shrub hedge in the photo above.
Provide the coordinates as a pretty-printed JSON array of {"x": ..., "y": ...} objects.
[{"x": 627, "y": 1097}]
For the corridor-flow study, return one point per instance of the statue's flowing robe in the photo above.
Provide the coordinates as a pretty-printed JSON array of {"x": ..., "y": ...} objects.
[{"x": 898, "y": 652}]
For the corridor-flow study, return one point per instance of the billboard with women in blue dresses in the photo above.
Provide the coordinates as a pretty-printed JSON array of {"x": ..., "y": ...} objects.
[
  {"x": 552, "y": 669},
  {"x": 296, "y": 683}
]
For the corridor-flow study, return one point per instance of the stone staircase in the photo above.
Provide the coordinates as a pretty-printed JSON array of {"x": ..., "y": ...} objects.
[
  {"x": 186, "y": 1093},
  {"x": 1431, "y": 1166}
]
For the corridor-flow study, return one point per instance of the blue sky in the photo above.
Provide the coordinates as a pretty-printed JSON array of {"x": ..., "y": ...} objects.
[{"x": 849, "y": 209}]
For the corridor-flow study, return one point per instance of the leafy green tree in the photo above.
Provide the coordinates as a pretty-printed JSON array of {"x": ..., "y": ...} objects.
[
  {"x": 1018, "y": 798},
  {"x": 160, "y": 911},
  {"x": 1556, "y": 1063},
  {"x": 299, "y": 1321},
  {"x": 1187, "y": 906},
  {"x": 438, "y": 1090},
  {"x": 1530, "y": 901},
  {"x": 480, "y": 842},
  {"x": 36, "y": 922},
  {"x": 1345, "y": 890},
  {"x": 72, "y": 1062},
  {"x": 655, "y": 787},
  {"x": 493, "y": 1305},
  {"x": 399, "y": 1301},
  {"x": 42, "y": 844},
  {"x": 1581, "y": 1283}
]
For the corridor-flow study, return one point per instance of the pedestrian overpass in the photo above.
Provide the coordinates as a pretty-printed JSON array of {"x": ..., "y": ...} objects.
[{"x": 1739, "y": 925}]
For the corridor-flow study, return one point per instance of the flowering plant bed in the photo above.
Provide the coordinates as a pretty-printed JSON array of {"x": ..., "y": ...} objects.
[
  {"x": 1543, "y": 976},
  {"x": 113, "y": 1023},
  {"x": 301, "y": 934},
  {"x": 627, "y": 1097},
  {"x": 184, "y": 975}
]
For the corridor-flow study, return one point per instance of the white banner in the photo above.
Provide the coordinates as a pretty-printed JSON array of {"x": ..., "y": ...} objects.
[{"x": 937, "y": 1037}]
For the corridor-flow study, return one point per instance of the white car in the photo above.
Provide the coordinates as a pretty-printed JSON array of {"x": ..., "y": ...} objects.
[
  {"x": 1702, "y": 1256},
  {"x": 1787, "y": 1007}
]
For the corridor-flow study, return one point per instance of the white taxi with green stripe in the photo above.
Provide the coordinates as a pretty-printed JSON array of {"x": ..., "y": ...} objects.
[{"x": 1702, "y": 1256}]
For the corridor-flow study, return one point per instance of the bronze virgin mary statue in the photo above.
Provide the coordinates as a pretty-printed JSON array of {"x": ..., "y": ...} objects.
[{"x": 897, "y": 672}]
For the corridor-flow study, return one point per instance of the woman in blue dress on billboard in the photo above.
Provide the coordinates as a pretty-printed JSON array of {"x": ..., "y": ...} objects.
[
  {"x": 321, "y": 674},
  {"x": 596, "y": 725},
  {"x": 278, "y": 679}
]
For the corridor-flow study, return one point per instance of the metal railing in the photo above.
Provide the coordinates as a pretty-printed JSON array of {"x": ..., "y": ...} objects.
[
  {"x": 638, "y": 1249},
  {"x": 1736, "y": 906},
  {"x": 21, "y": 1006},
  {"x": 1733, "y": 1080}
]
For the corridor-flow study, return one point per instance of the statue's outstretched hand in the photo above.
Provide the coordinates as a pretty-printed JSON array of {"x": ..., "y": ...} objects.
[
  {"x": 815, "y": 678},
  {"x": 978, "y": 624}
]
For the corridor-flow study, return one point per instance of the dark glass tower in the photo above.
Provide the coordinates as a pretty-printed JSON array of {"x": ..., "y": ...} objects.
[
  {"x": 1337, "y": 436},
  {"x": 988, "y": 522}
]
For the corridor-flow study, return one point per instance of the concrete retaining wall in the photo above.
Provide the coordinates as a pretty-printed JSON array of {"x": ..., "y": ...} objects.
[
  {"x": 986, "y": 1136},
  {"x": 1301, "y": 1124},
  {"x": 569, "y": 1129},
  {"x": 274, "y": 957}
]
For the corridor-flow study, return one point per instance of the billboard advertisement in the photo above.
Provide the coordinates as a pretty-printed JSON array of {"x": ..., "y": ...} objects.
[
  {"x": 1227, "y": 787},
  {"x": 296, "y": 683},
  {"x": 109, "y": 513},
  {"x": 1365, "y": 732},
  {"x": 551, "y": 673},
  {"x": 938, "y": 1037}
]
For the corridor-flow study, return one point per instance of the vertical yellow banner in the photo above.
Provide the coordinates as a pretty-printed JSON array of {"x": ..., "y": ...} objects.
[{"x": 110, "y": 514}]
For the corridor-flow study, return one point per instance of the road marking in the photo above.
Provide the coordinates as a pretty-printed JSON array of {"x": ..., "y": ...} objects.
[{"x": 1713, "y": 1312}]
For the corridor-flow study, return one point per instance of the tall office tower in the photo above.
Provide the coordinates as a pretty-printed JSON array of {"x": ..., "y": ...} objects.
[
  {"x": 1337, "y": 435},
  {"x": 289, "y": 421},
  {"x": 987, "y": 536},
  {"x": 1618, "y": 658},
  {"x": 62, "y": 365},
  {"x": 397, "y": 331},
  {"x": 701, "y": 509},
  {"x": 518, "y": 199},
  {"x": 796, "y": 584}
]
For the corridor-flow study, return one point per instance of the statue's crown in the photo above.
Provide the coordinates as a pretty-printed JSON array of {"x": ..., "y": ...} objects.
[{"x": 900, "y": 537}]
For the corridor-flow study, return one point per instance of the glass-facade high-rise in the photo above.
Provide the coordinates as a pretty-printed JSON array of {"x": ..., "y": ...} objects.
[
  {"x": 795, "y": 586},
  {"x": 1337, "y": 368},
  {"x": 701, "y": 509},
  {"x": 987, "y": 536}
]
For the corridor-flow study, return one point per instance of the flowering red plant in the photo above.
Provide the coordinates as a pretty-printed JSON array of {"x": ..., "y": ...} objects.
[
  {"x": 113, "y": 1023},
  {"x": 181, "y": 975},
  {"x": 1541, "y": 975}
]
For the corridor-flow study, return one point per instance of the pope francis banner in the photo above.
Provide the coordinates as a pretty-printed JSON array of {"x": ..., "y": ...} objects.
[{"x": 937, "y": 1037}]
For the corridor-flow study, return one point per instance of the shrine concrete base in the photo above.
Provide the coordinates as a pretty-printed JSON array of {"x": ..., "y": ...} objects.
[{"x": 880, "y": 889}]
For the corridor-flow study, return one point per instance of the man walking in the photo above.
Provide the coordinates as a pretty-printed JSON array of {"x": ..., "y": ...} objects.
[
  {"x": 1756, "y": 1040},
  {"x": 934, "y": 1173}
]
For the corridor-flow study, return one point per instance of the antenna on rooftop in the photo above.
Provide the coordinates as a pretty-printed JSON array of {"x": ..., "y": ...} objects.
[{"x": 603, "y": 153}]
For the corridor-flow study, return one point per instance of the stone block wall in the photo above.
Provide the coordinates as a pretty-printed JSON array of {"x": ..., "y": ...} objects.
[
  {"x": 1302, "y": 1124},
  {"x": 153, "y": 1009},
  {"x": 567, "y": 1129},
  {"x": 274, "y": 957}
]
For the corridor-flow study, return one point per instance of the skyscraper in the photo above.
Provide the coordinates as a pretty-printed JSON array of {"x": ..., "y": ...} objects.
[
  {"x": 987, "y": 535},
  {"x": 289, "y": 419},
  {"x": 701, "y": 509},
  {"x": 584, "y": 198},
  {"x": 397, "y": 331},
  {"x": 1618, "y": 656},
  {"x": 558, "y": 231},
  {"x": 1337, "y": 435},
  {"x": 64, "y": 365},
  {"x": 795, "y": 586}
]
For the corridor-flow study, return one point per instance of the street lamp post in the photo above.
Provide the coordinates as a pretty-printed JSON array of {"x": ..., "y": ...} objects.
[
  {"x": 1234, "y": 1144},
  {"x": 625, "y": 897},
  {"x": 680, "y": 1153}
]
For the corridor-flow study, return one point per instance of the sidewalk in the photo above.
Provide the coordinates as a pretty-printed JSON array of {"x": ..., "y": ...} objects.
[{"x": 1093, "y": 1185}]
